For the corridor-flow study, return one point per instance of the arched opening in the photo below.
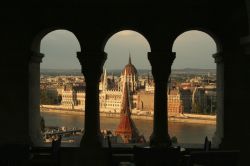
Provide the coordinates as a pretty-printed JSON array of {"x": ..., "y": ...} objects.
[
  {"x": 193, "y": 88},
  {"x": 56, "y": 89},
  {"x": 124, "y": 104}
]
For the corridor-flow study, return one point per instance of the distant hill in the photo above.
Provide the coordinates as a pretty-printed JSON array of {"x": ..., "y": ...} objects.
[
  {"x": 117, "y": 72},
  {"x": 174, "y": 71},
  {"x": 194, "y": 71},
  {"x": 61, "y": 71}
]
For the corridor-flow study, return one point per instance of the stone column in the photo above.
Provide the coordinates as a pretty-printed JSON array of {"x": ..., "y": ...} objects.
[
  {"x": 218, "y": 135},
  {"x": 34, "y": 99},
  {"x": 92, "y": 68},
  {"x": 245, "y": 123},
  {"x": 161, "y": 68}
]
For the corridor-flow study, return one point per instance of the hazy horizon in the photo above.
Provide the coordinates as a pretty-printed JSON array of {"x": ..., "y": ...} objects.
[{"x": 193, "y": 49}]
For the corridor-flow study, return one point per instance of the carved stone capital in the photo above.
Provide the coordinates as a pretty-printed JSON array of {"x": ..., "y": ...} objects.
[
  {"x": 36, "y": 57},
  {"x": 92, "y": 64},
  {"x": 218, "y": 57},
  {"x": 161, "y": 63}
]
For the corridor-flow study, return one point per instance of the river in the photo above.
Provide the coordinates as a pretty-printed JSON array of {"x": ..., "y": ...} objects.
[{"x": 189, "y": 133}]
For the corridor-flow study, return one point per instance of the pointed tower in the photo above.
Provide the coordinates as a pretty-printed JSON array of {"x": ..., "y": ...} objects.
[
  {"x": 129, "y": 59},
  {"x": 113, "y": 77},
  {"x": 131, "y": 75},
  {"x": 126, "y": 128},
  {"x": 148, "y": 78},
  {"x": 170, "y": 86},
  {"x": 105, "y": 81}
]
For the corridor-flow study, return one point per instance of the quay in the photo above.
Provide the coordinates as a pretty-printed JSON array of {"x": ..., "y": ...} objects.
[{"x": 184, "y": 118}]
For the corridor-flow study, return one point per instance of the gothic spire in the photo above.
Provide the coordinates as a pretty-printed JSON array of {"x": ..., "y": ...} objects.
[
  {"x": 125, "y": 109},
  {"x": 126, "y": 128},
  {"x": 113, "y": 77},
  {"x": 148, "y": 77},
  {"x": 105, "y": 81},
  {"x": 129, "y": 59}
]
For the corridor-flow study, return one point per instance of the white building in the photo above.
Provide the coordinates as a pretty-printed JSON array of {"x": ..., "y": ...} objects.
[{"x": 109, "y": 98}]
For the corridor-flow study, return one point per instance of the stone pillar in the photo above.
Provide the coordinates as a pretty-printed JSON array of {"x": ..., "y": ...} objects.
[
  {"x": 247, "y": 3},
  {"x": 161, "y": 68},
  {"x": 244, "y": 119},
  {"x": 34, "y": 99},
  {"x": 218, "y": 135},
  {"x": 92, "y": 68}
]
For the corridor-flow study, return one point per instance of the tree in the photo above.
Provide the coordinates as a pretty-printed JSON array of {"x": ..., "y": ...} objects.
[
  {"x": 196, "y": 108},
  {"x": 42, "y": 124},
  {"x": 174, "y": 140},
  {"x": 59, "y": 99},
  {"x": 45, "y": 98}
]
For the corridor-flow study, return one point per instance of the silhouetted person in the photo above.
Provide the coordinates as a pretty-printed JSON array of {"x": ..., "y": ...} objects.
[
  {"x": 56, "y": 144},
  {"x": 207, "y": 144},
  {"x": 109, "y": 142},
  {"x": 110, "y": 151}
]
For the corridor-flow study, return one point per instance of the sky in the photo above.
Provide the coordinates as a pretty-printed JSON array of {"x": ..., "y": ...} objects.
[{"x": 193, "y": 49}]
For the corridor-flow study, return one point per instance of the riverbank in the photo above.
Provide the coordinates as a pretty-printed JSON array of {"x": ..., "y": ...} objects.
[{"x": 184, "y": 118}]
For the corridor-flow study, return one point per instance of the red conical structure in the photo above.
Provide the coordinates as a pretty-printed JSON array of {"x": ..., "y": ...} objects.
[{"x": 126, "y": 128}]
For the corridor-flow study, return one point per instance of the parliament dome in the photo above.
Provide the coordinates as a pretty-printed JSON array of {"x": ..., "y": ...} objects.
[{"x": 129, "y": 68}]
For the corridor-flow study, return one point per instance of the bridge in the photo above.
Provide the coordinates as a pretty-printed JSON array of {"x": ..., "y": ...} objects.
[{"x": 62, "y": 132}]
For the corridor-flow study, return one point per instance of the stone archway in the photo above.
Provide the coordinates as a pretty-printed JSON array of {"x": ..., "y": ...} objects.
[
  {"x": 127, "y": 51},
  {"x": 218, "y": 59},
  {"x": 34, "y": 86}
]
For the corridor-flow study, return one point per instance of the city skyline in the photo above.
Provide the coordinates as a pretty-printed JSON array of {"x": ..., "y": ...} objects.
[{"x": 193, "y": 49}]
